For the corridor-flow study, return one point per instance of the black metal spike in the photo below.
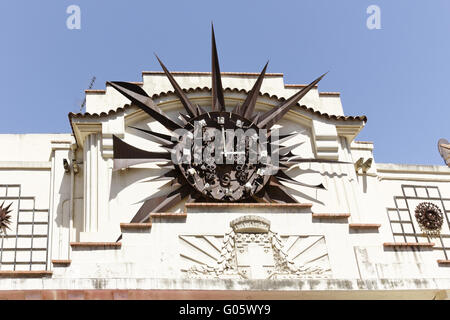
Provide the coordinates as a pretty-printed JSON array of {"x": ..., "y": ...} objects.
[
  {"x": 161, "y": 203},
  {"x": 236, "y": 109},
  {"x": 169, "y": 174},
  {"x": 190, "y": 108},
  {"x": 277, "y": 192},
  {"x": 158, "y": 137},
  {"x": 139, "y": 97},
  {"x": 200, "y": 110},
  {"x": 123, "y": 150},
  {"x": 282, "y": 176},
  {"x": 218, "y": 101},
  {"x": 271, "y": 117},
  {"x": 248, "y": 107},
  {"x": 185, "y": 117}
]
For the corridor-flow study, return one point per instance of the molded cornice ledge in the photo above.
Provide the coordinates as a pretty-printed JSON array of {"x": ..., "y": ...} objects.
[
  {"x": 96, "y": 245},
  {"x": 250, "y": 208},
  {"x": 408, "y": 244},
  {"x": 168, "y": 215},
  {"x": 135, "y": 226},
  {"x": 62, "y": 262},
  {"x": 247, "y": 205},
  {"x": 325, "y": 140},
  {"x": 331, "y": 215},
  {"x": 25, "y": 274},
  {"x": 364, "y": 226}
]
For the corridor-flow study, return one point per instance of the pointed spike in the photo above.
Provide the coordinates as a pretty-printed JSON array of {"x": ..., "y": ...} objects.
[
  {"x": 248, "y": 107},
  {"x": 255, "y": 118},
  {"x": 277, "y": 192},
  {"x": 236, "y": 109},
  {"x": 218, "y": 101},
  {"x": 284, "y": 137},
  {"x": 161, "y": 203},
  {"x": 120, "y": 164},
  {"x": 123, "y": 150},
  {"x": 185, "y": 117},
  {"x": 190, "y": 108},
  {"x": 165, "y": 165},
  {"x": 263, "y": 196},
  {"x": 282, "y": 176},
  {"x": 200, "y": 110},
  {"x": 282, "y": 150},
  {"x": 272, "y": 116},
  {"x": 158, "y": 137},
  {"x": 139, "y": 97},
  {"x": 169, "y": 174}
]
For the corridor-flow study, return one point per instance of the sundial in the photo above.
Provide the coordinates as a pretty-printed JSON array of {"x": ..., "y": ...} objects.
[{"x": 231, "y": 155}]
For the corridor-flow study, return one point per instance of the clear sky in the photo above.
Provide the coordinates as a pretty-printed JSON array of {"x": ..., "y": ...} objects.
[{"x": 398, "y": 76}]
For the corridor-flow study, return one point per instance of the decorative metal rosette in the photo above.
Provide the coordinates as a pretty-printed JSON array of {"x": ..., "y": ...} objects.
[
  {"x": 5, "y": 217},
  {"x": 429, "y": 217}
]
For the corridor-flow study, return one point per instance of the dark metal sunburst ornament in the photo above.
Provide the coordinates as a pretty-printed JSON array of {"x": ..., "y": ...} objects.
[
  {"x": 203, "y": 181},
  {"x": 5, "y": 217},
  {"x": 429, "y": 217}
]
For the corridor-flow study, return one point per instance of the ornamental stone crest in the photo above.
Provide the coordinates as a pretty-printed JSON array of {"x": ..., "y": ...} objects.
[{"x": 250, "y": 250}]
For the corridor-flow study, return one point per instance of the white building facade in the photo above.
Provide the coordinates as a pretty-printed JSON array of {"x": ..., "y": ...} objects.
[{"x": 358, "y": 237}]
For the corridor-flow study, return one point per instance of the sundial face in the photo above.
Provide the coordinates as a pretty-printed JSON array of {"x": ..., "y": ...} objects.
[{"x": 225, "y": 157}]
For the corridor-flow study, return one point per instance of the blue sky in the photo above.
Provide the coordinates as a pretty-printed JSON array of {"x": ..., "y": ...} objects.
[{"x": 397, "y": 76}]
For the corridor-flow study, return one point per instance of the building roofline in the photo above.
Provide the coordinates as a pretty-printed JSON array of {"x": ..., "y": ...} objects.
[
  {"x": 228, "y": 89},
  {"x": 201, "y": 73}
]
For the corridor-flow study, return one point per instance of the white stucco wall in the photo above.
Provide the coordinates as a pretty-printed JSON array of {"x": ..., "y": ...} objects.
[{"x": 90, "y": 205}]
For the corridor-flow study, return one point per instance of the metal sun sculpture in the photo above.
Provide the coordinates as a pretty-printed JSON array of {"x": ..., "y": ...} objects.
[
  {"x": 209, "y": 181},
  {"x": 5, "y": 217},
  {"x": 429, "y": 217}
]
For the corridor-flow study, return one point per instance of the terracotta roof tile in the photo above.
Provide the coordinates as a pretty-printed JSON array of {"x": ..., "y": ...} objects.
[{"x": 233, "y": 90}]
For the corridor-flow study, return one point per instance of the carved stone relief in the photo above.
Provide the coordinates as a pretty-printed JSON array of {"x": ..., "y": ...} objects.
[{"x": 250, "y": 250}]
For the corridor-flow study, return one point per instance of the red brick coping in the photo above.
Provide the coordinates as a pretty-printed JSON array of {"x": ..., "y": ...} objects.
[
  {"x": 62, "y": 262},
  {"x": 443, "y": 262},
  {"x": 147, "y": 294},
  {"x": 25, "y": 274},
  {"x": 331, "y": 215},
  {"x": 134, "y": 226},
  {"x": 168, "y": 215},
  {"x": 96, "y": 245},
  {"x": 247, "y": 205},
  {"x": 408, "y": 244},
  {"x": 364, "y": 225}
]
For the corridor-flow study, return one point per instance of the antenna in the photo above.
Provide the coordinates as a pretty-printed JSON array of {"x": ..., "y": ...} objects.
[{"x": 90, "y": 87}]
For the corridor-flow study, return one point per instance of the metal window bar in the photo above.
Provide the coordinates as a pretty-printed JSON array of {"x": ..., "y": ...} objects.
[
  {"x": 439, "y": 245},
  {"x": 31, "y": 235},
  {"x": 17, "y": 227},
  {"x": 409, "y": 212},
  {"x": 3, "y": 235}
]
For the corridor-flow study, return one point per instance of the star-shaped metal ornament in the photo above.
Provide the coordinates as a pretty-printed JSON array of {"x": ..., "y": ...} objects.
[{"x": 202, "y": 181}]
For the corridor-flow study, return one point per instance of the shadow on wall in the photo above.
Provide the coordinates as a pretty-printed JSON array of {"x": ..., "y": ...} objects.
[
  {"x": 122, "y": 179},
  {"x": 62, "y": 218}
]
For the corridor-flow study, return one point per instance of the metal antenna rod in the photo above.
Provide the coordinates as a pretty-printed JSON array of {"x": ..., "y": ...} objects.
[{"x": 90, "y": 87}]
